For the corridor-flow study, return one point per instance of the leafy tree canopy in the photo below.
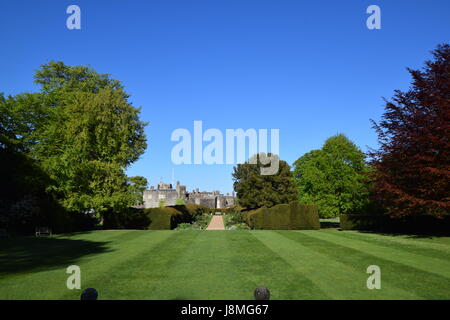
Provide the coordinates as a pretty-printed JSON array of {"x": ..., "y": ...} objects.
[
  {"x": 334, "y": 177},
  {"x": 82, "y": 131},
  {"x": 136, "y": 187},
  {"x": 412, "y": 173},
  {"x": 255, "y": 190}
]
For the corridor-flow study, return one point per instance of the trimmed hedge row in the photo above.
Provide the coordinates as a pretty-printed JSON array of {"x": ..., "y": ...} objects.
[
  {"x": 165, "y": 218},
  {"x": 408, "y": 224},
  {"x": 130, "y": 218},
  {"x": 232, "y": 210},
  {"x": 362, "y": 222},
  {"x": 292, "y": 216}
]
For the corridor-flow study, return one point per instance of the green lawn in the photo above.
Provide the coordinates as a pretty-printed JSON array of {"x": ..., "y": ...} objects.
[{"x": 326, "y": 264}]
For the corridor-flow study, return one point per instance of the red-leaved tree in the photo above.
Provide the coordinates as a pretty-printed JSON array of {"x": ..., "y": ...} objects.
[{"x": 412, "y": 166}]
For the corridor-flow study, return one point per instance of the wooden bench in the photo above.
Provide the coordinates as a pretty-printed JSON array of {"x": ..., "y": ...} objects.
[{"x": 43, "y": 230}]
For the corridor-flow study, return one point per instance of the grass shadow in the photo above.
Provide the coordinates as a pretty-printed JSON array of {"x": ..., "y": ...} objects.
[
  {"x": 412, "y": 235},
  {"x": 330, "y": 223},
  {"x": 29, "y": 253}
]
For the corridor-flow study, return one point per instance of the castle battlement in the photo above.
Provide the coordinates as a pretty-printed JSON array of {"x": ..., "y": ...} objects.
[{"x": 166, "y": 195}]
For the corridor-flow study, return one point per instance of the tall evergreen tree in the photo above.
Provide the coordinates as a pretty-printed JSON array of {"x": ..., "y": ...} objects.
[
  {"x": 254, "y": 190},
  {"x": 136, "y": 187}
]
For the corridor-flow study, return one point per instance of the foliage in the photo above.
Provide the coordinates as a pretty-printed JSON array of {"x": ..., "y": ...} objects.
[
  {"x": 255, "y": 190},
  {"x": 165, "y": 218},
  {"x": 187, "y": 226},
  {"x": 407, "y": 224},
  {"x": 412, "y": 173},
  {"x": 334, "y": 177},
  {"x": 136, "y": 187},
  {"x": 79, "y": 134},
  {"x": 130, "y": 218},
  {"x": 203, "y": 220},
  {"x": 292, "y": 216},
  {"x": 20, "y": 117},
  {"x": 238, "y": 227},
  {"x": 90, "y": 136},
  {"x": 24, "y": 203},
  {"x": 234, "y": 218},
  {"x": 235, "y": 221},
  {"x": 179, "y": 202},
  {"x": 200, "y": 222}
]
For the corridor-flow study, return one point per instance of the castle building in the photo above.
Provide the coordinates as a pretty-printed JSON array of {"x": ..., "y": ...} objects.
[{"x": 166, "y": 195}]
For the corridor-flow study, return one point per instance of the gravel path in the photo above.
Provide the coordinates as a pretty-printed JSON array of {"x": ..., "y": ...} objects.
[{"x": 216, "y": 223}]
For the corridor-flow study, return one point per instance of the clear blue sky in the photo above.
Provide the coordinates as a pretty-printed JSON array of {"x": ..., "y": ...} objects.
[{"x": 309, "y": 68}]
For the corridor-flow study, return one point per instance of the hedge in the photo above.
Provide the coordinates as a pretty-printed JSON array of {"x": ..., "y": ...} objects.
[
  {"x": 305, "y": 216},
  {"x": 406, "y": 224},
  {"x": 292, "y": 216},
  {"x": 231, "y": 210},
  {"x": 165, "y": 218},
  {"x": 130, "y": 218}
]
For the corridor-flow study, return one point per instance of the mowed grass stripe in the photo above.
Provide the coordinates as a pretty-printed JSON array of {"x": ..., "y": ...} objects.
[
  {"x": 427, "y": 242},
  {"x": 413, "y": 246},
  {"x": 136, "y": 266},
  {"x": 51, "y": 283},
  {"x": 430, "y": 265},
  {"x": 398, "y": 280},
  {"x": 437, "y": 242},
  {"x": 339, "y": 280},
  {"x": 131, "y": 264},
  {"x": 259, "y": 265},
  {"x": 230, "y": 265},
  {"x": 20, "y": 256},
  {"x": 201, "y": 271},
  {"x": 202, "y": 265},
  {"x": 98, "y": 235}
]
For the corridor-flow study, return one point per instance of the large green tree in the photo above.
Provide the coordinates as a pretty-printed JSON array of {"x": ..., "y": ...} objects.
[
  {"x": 86, "y": 135},
  {"x": 334, "y": 177},
  {"x": 255, "y": 190},
  {"x": 412, "y": 175},
  {"x": 24, "y": 202}
]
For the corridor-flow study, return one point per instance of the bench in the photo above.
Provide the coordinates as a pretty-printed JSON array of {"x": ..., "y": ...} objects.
[{"x": 43, "y": 230}]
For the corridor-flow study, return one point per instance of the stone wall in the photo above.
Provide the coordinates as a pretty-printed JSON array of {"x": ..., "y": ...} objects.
[{"x": 153, "y": 197}]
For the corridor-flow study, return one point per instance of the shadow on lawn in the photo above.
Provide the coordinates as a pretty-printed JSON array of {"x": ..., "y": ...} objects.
[
  {"x": 411, "y": 235},
  {"x": 329, "y": 224},
  {"x": 29, "y": 253}
]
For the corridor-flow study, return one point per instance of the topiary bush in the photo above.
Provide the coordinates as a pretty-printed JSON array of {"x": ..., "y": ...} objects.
[
  {"x": 255, "y": 218},
  {"x": 278, "y": 218},
  {"x": 130, "y": 218},
  {"x": 165, "y": 218},
  {"x": 161, "y": 218},
  {"x": 304, "y": 216},
  {"x": 292, "y": 216}
]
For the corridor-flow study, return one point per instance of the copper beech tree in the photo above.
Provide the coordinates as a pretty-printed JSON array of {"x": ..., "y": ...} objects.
[{"x": 412, "y": 165}]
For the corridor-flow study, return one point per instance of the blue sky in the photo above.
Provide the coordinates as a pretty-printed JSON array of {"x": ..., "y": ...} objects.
[{"x": 309, "y": 68}]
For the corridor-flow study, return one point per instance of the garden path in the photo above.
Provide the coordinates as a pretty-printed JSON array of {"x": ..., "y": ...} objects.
[{"x": 216, "y": 223}]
